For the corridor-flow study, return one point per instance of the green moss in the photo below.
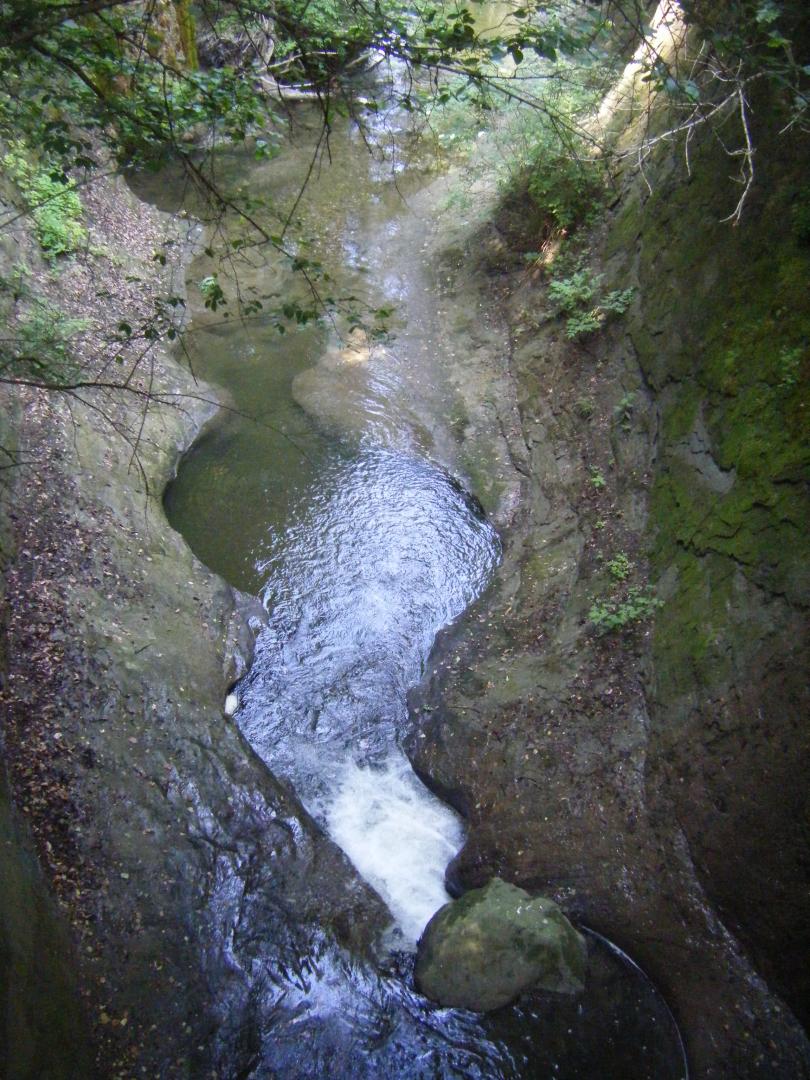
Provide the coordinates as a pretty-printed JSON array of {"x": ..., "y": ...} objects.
[
  {"x": 689, "y": 633},
  {"x": 54, "y": 205},
  {"x": 626, "y": 229},
  {"x": 188, "y": 32},
  {"x": 482, "y": 473},
  {"x": 679, "y": 419},
  {"x": 541, "y": 566},
  {"x": 724, "y": 324}
]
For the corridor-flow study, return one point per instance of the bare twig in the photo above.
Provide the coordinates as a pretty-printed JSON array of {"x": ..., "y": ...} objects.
[{"x": 746, "y": 177}]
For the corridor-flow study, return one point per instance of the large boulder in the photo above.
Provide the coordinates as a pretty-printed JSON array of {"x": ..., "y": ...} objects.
[{"x": 483, "y": 950}]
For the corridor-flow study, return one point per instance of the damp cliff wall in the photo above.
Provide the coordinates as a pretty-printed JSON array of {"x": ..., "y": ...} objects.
[
  {"x": 651, "y": 779},
  {"x": 146, "y": 838}
]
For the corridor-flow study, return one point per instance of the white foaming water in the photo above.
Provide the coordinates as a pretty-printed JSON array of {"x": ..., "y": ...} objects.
[{"x": 399, "y": 837}]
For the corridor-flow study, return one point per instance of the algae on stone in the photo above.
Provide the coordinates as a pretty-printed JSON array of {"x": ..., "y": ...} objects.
[{"x": 483, "y": 950}]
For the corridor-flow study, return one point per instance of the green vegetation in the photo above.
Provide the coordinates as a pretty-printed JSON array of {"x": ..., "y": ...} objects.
[
  {"x": 577, "y": 298},
  {"x": 573, "y": 292},
  {"x": 616, "y": 302},
  {"x": 54, "y": 204},
  {"x": 566, "y": 182},
  {"x": 790, "y": 360},
  {"x": 583, "y": 407},
  {"x": 623, "y": 412},
  {"x": 188, "y": 33},
  {"x": 211, "y": 291},
  {"x": 136, "y": 88},
  {"x": 760, "y": 38},
  {"x": 619, "y": 566},
  {"x": 639, "y": 605},
  {"x": 735, "y": 360},
  {"x": 535, "y": 121},
  {"x": 89, "y": 85},
  {"x": 42, "y": 348},
  {"x": 597, "y": 479},
  {"x": 583, "y": 323}
]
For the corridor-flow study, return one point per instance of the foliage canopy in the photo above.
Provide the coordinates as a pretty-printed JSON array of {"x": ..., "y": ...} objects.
[{"x": 133, "y": 83}]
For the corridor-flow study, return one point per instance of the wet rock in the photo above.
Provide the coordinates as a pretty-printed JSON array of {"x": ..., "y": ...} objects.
[
  {"x": 641, "y": 778},
  {"x": 247, "y": 619},
  {"x": 198, "y": 889},
  {"x": 481, "y": 951}
]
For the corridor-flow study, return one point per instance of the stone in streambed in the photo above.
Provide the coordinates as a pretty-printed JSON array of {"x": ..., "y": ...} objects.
[{"x": 481, "y": 951}]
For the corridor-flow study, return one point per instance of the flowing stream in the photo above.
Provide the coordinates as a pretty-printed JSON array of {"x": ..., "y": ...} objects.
[
  {"x": 383, "y": 553},
  {"x": 336, "y": 488},
  {"x": 343, "y": 513}
]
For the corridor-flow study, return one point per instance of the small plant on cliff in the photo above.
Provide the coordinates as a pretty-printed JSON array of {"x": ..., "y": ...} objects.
[
  {"x": 597, "y": 479},
  {"x": 577, "y": 297},
  {"x": 583, "y": 323},
  {"x": 617, "y": 302},
  {"x": 54, "y": 204},
  {"x": 569, "y": 294},
  {"x": 43, "y": 348},
  {"x": 639, "y": 604},
  {"x": 567, "y": 187},
  {"x": 624, "y": 411},
  {"x": 619, "y": 566}
]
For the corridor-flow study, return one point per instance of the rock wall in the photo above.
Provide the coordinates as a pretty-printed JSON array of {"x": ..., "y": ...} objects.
[
  {"x": 651, "y": 780},
  {"x": 722, "y": 340},
  {"x": 42, "y": 1031},
  {"x": 195, "y": 883}
]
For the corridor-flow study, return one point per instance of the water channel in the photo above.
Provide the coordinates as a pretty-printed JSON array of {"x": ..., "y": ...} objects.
[{"x": 336, "y": 487}]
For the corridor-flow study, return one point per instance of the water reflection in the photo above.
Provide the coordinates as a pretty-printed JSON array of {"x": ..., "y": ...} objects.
[
  {"x": 341, "y": 1020},
  {"x": 380, "y": 555}
]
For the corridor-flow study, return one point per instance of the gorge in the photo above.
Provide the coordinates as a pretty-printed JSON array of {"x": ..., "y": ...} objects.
[{"x": 236, "y": 747}]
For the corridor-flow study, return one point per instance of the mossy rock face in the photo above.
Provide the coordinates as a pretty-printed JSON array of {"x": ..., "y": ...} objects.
[{"x": 482, "y": 951}]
